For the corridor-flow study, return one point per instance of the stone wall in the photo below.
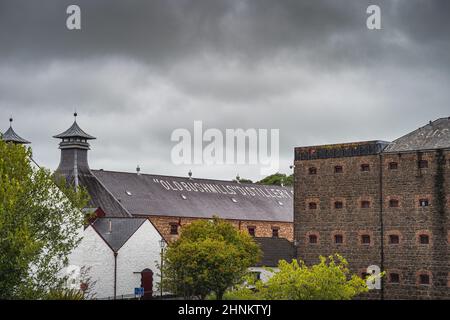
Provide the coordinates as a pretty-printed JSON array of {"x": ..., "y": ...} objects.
[
  {"x": 349, "y": 187},
  {"x": 378, "y": 218},
  {"x": 262, "y": 228}
]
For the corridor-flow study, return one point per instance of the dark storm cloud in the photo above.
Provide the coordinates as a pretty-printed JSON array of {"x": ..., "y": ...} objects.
[{"x": 139, "y": 69}]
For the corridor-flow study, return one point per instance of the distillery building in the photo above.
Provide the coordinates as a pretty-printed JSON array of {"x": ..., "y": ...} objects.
[
  {"x": 169, "y": 202},
  {"x": 383, "y": 204}
]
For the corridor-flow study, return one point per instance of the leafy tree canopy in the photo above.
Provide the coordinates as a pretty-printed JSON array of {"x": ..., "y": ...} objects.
[
  {"x": 278, "y": 179},
  {"x": 39, "y": 226},
  {"x": 209, "y": 257},
  {"x": 328, "y": 280}
]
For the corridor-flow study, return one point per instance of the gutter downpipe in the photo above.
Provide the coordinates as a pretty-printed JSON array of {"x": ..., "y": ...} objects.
[
  {"x": 381, "y": 226},
  {"x": 115, "y": 275}
]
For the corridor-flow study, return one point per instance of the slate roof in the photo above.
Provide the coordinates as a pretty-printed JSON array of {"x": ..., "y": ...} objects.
[
  {"x": 275, "y": 249},
  {"x": 155, "y": 195},
  {"x": 101, "y": 197},
  {"x": 11, "y": 136},
  {"x": 74, "y": 132},
  {"x": 121, "y": 230},
  {"x": 434, "y": 135}
]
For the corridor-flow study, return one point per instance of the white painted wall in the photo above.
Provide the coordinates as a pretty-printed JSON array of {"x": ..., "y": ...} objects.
[
  {"x": 141, "y": 251},
  {"x": 94, "y": 253}
]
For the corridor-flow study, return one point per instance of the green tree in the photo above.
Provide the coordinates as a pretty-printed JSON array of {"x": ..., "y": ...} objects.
[
  {"x": 39, "y": 226},
  {"x": 209, "y": 257},
  {"x": 278, "y": 179},
  {"x": 328, "y": 280}
]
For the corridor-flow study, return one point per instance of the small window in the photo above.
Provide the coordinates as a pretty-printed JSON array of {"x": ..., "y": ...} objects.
[
  {"x": 424, "y": 239},
  {"x": 275, "y": 233},
  {"x": 365, "y": 204},
  {"x": 338, "y": 205},
  {"x": 365, "y": 239},
  {"x": 394, "y": 239},
  {"x": 312, "y": 206},
  {"x": 338, "y": 238},
  {"x": 365, "y": 167},
  {"x": 424, "y": 203},
  {"x": 251, "y": 231},
  {"x": 424, "y": 279},
  {"x": 393, "y": 165},
  {"x": 338, "y": 169},
  {"x": 312, "y": 170},
  {"x": 312, "y": 238},
  {"x": 393, "y": 203},
  {"x": 173, "y": 228},
  {"x": 423, "y": 164},
  {"x": 394, "y": 278}
]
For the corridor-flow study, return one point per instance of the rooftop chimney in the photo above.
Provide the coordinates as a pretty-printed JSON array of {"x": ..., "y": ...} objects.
[{"x": 138, "y": 170}]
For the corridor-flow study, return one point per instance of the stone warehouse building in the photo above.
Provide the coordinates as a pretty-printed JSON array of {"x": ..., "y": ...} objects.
[
  {"x": 380, "y": 203},
  {"x": 173, "y": 202}
]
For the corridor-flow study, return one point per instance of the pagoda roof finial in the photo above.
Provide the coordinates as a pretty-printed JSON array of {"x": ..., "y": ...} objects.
[
  {"x": 11, "y": 136},
  {"x": 74, "y": 131}
]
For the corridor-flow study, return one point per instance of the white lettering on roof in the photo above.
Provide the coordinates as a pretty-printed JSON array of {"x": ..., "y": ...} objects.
[{"x": 265, "y": 192}]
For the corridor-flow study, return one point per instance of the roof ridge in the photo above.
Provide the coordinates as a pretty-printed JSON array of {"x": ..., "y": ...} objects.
[{"x": 169, "y": 176}]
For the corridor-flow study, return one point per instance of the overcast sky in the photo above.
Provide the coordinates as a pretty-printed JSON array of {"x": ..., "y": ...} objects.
[{"x": 140, "y": 69}]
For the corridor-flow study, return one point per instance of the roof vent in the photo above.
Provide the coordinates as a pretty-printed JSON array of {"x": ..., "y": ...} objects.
[
  {"x": 190, "y": 174},
  {"x": 280, "y": 203},
  {"x": 109, "y": 226},
  {"x": 128, "y": 193},
  {"x": 234, "y": 200},
  {"x": 183, "y": 197},
  {"x": 138, "y": 170}
]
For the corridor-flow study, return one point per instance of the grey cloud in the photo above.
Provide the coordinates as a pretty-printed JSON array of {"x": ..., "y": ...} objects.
[{"x": 140, "y": 69}]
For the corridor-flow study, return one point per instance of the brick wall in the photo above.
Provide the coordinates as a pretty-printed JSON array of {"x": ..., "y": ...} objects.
[
  {"x": 410, "y": 258},
  {"x": 262, "y": 228},
  {"x": 349, "y": 187},
  {"x": 408, "y": 185}
]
